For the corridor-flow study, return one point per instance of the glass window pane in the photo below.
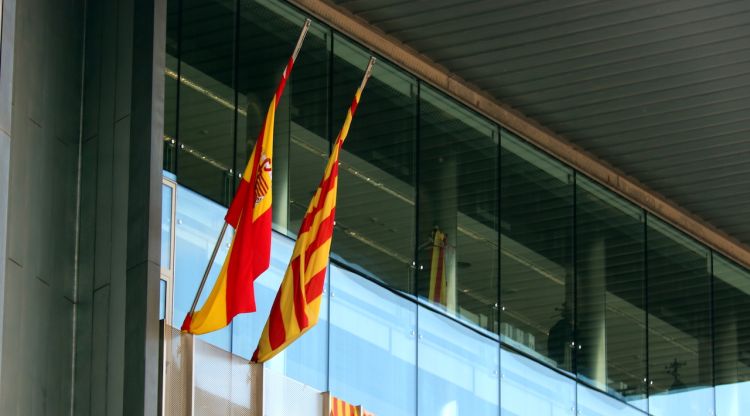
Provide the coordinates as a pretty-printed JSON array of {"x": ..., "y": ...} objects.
[
  {"x": 458, "y": 368},
  {"x": 206, "y": 119},
  {"x": 529, "y": 388},
  {"x": 375, "y": 212},
  {"x": 732, "y": 332},
  {"x": 166, "y": 227},
  {"x": 679, "y": 342},
  {"x": 458, "y": 199},
  {"x": 170, "y": 84},
  {"x": 591, "y": 402},
  {"x": 199, "y": 222},
  {"x": 611, "y": 311},
  {"x": 372, "y": 346},
  {"x": 268, "y": 32},
  {"x": 536, "y": 248}
]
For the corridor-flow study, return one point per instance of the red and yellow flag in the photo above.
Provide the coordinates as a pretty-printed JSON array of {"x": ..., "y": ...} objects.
[
  {"x": 250, "y": 215},
  {"x": 438, "y": 282},
  {"x": 297, "y": 305}
]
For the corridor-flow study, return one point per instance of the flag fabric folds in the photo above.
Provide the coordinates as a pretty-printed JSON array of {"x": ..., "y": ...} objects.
[
  {"x": 342, "y": 408},
  {"x": 250, "y": 251},
  {"x": 297, "y": 305},
  {"x": 438, "y": 281}
]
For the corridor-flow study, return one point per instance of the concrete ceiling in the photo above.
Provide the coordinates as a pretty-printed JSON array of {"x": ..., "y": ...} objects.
[{"x": 658, "y": 89}]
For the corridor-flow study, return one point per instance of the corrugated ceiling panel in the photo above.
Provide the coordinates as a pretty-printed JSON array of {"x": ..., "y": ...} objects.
[{"x": 658, "y": 89}]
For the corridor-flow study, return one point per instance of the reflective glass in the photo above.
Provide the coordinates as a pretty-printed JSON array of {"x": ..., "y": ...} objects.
[
  {"x": 372, "y": 345},
  {"x": 591, "y": 402},
  {"x": 611, "y": 310},
  {"x": 732, "y": 336},
  {"x": 375, "y": 212},
  {"x": 679, "y": 342},
  {"x": 170, "y": 84},
  {"x": 268, "y": 32},
  {"x": 531, "y": 389},
  {"x": 206, "y": 98},
  {"x": 458, "y": 200},
  {"x": 199, "y": 222},
  {"x": 458, "y": 368},
  {"x": 536, "y": 253},
  {"x": 166, "y": 227}
]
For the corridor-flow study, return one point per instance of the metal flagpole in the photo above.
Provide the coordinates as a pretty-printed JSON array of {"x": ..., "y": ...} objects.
[{"x": 297, "y": 48}]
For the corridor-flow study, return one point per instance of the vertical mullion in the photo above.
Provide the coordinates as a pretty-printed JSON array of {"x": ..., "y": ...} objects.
[{"x": 179, "y": 87}]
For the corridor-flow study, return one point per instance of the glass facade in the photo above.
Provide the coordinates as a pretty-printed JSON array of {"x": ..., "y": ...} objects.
[{"x": 471, "y": 273}]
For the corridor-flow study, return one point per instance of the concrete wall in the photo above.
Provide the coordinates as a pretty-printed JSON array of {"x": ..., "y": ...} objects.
[
  {"x": 39, "y": 288},
  {"x": 80, "y": 152}
]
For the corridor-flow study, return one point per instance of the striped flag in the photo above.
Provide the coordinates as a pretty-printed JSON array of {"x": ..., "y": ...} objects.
[
  {"x": 297, "y": 305},
  {"x": 333, "y": 406},
  {"x": 250, "y": 215},
  {"x": 438, "y": 282},
  {"x": 342, "y": 408}
]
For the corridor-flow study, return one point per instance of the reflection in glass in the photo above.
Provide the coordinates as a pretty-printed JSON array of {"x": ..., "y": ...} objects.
[
  {"x": 458, "y": 368},
  {"x": 206, "y": 98},
  {"x": 611, "y": 311},
  {"x": 372, "y": 345},
  {"x": 375, "y": 212},
  {"x": 679, "y": 343},
  {"x": 536, "y": 247},
  {"x": 170, "y": 84},
  {"x": 457, "y": 232},
  {"x": 267, "y": 36},
  {"x": 529, "y": 388},
  {"x": 731, "y": 288},
  {"x": 199, "y": 222}
]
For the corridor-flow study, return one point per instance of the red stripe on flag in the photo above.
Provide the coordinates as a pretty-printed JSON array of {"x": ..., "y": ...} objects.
[
  {"x": 325, "y": 187},
  {"x": 251, "y": 254},
  {"x": 314, "y": 287},
  {"x": 238, "y": 204},
  {"x": 284, "y": 78},
  {"x": 276, "y": 330},
  {"x": 325, "y": 231},
  {"x": 298, "y": 295}
]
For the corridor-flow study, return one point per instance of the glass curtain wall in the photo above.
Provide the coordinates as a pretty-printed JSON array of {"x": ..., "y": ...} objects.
[
  {"x": 374, "y": 231},
  {"x": 731, "y": 288},
  {"x": 680, "y": 352},
  {"x": 458, "y": 200},
  {"x": 536, "y": 253},
  {"x": 610, "y": 293},
  {"x": 451, "y": 233}
]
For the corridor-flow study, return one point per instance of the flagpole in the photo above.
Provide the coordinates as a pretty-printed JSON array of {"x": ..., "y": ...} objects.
[
  {"x": 297, "y": 48},
  {"x": 368, "y": 72}
]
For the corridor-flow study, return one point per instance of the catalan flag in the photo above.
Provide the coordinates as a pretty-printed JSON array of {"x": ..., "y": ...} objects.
[
  {"x": 250, "y": 215},
  {"x": 342, "y": 408},
  {"x": 438, "y": 282},
  {"x": 297, "y": 305}
]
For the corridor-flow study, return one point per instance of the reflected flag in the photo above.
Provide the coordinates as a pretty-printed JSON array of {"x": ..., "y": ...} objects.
[
  {"x": 438, "y": 282},
  {"x": 297, "y": 305}
]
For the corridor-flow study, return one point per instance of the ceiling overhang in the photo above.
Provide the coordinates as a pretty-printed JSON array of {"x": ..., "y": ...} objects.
[{"x": 649, "y": 98}]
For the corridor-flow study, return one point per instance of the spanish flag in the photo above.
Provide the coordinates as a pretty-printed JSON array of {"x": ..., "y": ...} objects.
[
  {"x": 297, "y": 305},
  {"x": 438, "y": 283},
  {"x": 250, "y": 215}
]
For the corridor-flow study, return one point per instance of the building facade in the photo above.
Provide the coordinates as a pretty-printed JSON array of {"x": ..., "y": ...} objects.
[{"x": 564, "y": 294}]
